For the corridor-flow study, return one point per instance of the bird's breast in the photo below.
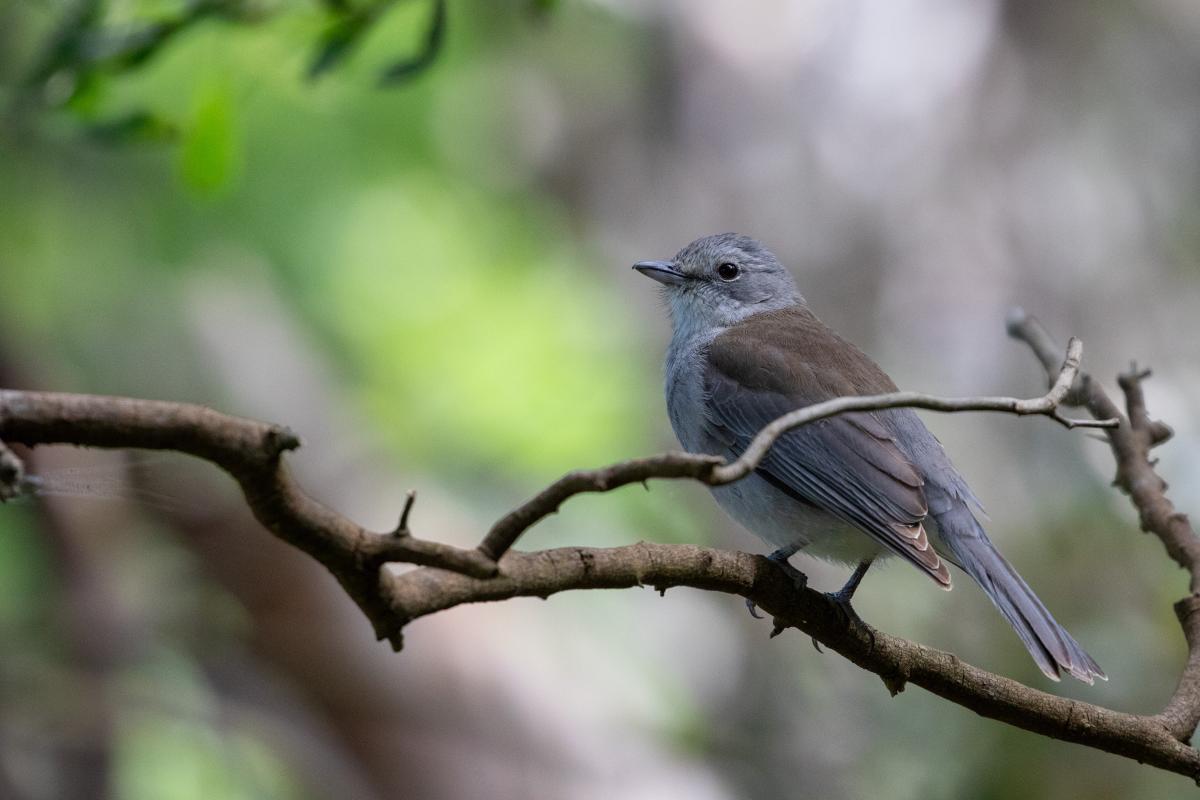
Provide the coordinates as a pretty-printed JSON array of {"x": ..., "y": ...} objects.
[{"x": 685, "y": 397}]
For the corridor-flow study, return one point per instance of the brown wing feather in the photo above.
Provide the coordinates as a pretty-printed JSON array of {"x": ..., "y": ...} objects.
[{"x": 848, "y": 465}]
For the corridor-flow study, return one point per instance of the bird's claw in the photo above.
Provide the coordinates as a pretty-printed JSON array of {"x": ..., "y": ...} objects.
[
  {"x": 753, "y": 609},
  {"x": 799, "y": 579},
  {"x": 842, "y": 601},
  {"x": 780, "y": 559},
  {"x": 851, "y": 616},
  {"x": 841, "y": 597}
]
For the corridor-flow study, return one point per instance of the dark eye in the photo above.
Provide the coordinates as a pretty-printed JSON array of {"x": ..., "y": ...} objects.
[{"x": 728, "y": 271}]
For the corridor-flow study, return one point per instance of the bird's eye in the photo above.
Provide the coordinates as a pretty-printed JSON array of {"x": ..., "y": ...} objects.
[{"x": 728, "y": 271}]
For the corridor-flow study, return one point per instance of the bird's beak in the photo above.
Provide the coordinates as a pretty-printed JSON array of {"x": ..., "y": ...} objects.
[{"x": 662, "y": 271}]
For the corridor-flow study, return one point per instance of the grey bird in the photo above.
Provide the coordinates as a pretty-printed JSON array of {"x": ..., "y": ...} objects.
[{"x": 745, "y": 349}]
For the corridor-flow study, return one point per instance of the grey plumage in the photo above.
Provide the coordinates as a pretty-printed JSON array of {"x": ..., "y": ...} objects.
[{"x": 746, "y": 349}]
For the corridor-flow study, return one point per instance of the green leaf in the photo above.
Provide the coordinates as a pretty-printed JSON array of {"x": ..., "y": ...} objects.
[
  {"x": 340, "y": 39},
  {"x": 134, "y": 127},
  {"x": 435, "y": 36},
  {"x": 208, "y": 155}
]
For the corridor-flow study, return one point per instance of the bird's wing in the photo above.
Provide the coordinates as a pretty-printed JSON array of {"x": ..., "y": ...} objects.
[{"x": 848, "y": 465}]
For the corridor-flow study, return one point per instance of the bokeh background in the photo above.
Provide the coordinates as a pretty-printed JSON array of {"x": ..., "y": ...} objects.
[{"x": 430, "y": 281}]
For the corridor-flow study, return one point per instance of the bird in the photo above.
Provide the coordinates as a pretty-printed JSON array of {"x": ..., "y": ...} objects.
[{"x": 746, "y": 349}]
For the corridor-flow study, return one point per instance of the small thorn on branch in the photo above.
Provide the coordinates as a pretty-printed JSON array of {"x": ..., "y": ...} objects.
[
  {"x": 410, "y": 497},
  {"x": 1070, "y": 423},
  {"x": 1159, "y": 432},
  {"x": 280, "y": 439},
  {"x": 895, "y": 683},
  {"x": 1135, "y": 375}
]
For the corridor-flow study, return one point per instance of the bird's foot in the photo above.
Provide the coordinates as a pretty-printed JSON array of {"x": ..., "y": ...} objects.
[
  {"x": 780, "y": 559},
  {"x": 843, "y": 596},
  {"x": 841, "y": 600}
]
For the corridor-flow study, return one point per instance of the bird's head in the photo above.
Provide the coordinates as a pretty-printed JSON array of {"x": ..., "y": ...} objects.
[{"x": 720, "y": 280}]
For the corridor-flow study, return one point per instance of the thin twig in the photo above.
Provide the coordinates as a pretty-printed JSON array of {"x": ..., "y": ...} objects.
[
  {"x": 714, "y": 472},
  {"x": 252, "y": 453},
  {"x": 402, "y": 527},
  {"x": 1131, "y": 443}
]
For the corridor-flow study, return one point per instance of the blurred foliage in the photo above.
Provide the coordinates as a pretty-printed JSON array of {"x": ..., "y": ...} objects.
[
  {"x": 23, "y": 571},
  {"x": 436, "y": 245},
  {"x": 177, "y": 742},
  {"x": 93, "y": 43},
  {"x": 414, "y": 296},
  {"x": 208, "y": 154},
  {"x": 467, "y": 327},
  {"x": 406, "y": 266}
]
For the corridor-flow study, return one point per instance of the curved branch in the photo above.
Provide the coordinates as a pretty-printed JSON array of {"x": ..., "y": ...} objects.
[
  {"x": 252, "y": 452},
  {"x": 897, "y": 661},
  {"x": 713, "y": 471},
  {"x": 1131, "y": 443}
]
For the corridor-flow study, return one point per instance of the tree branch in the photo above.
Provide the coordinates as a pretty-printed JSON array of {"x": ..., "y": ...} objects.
[
  {"x": 1131, "y": 442},
  {"x": 895, "y": 660},
  {"x": 713, "y": 471},
  {"x": 252, "y": 453}
]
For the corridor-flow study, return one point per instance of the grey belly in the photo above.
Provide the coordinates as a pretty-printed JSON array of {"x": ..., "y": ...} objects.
[{"x": 782, "y": 521}]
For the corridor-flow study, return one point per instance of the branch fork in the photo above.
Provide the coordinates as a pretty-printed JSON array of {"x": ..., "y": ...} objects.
[{"x": 448, "y": 576}]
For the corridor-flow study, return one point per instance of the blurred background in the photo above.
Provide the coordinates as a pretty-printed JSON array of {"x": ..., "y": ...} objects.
[{"x": 419, "y": 259}]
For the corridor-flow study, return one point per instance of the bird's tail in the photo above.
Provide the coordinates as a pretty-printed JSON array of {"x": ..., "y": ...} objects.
[{"x": 1051, "y": 646}]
